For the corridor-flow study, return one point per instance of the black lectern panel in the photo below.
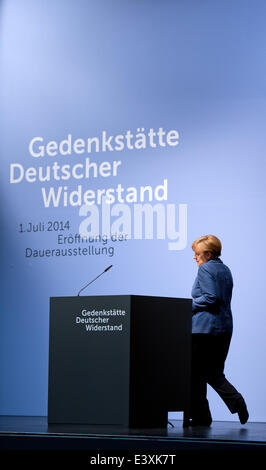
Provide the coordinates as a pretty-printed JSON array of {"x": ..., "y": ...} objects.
[
  {"x": 89, "y": 360},
  {"x": 160, "y": 359},
  {"x": 118, "y": 359}
]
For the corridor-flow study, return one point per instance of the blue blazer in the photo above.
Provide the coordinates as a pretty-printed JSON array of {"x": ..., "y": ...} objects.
[{"x": 211, "y": 299}]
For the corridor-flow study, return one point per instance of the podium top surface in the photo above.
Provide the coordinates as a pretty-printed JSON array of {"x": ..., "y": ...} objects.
[{"x": 120, "y": 295}]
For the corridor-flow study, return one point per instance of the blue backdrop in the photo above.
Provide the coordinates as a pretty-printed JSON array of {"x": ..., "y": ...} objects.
[{"x": 172, "y": 91}]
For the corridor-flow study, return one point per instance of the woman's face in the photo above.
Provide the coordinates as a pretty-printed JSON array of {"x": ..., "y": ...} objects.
[{"x": 201, "y": 256}]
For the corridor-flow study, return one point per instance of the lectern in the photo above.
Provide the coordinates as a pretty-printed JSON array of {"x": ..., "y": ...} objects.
[{"x": 118, "y": 360}]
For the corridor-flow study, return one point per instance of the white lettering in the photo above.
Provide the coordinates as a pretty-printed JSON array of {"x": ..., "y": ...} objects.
[
  {"x": 40, "y": 149},
  {"x": 20, "y": 175},
  {"x": 129, "y": 140}
]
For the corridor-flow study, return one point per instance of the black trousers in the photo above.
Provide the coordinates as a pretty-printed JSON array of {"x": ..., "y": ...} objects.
[{"x": 208, "y": 358}]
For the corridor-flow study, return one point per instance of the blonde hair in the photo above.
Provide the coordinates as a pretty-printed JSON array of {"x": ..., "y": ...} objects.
[{"x": 208, "y": 243}]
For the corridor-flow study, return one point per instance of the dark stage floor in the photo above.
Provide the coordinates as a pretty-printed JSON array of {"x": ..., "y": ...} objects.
[{"x": 33, "y": 433}]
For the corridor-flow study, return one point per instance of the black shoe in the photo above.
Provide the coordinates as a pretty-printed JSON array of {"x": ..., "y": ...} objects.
[
  {"x": 243, "y": 412},
  {"x": 206, "y": 421},
  {"x": 200, "y": 422}
]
